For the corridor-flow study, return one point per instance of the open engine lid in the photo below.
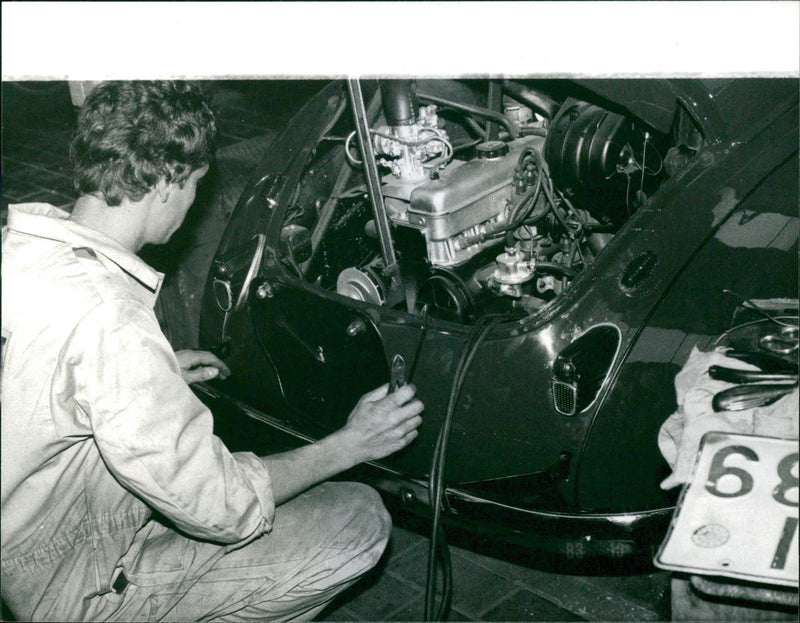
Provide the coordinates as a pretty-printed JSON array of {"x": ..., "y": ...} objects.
[
  {"x": 723, "y": 107},
  {"x": 652, "y": 100}
]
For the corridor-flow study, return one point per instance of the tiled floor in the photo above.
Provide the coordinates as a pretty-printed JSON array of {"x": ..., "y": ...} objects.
[
  {"x": 37, "y": 123},
  {"x": 493, "y": 588},
  {"x": 35, "y": 149}
]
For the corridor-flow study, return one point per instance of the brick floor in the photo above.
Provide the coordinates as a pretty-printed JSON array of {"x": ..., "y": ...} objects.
[{"x": 486, "y": 588}]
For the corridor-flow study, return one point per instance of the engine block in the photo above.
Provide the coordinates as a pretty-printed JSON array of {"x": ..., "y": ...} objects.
[{"x": 467, "y": 200}]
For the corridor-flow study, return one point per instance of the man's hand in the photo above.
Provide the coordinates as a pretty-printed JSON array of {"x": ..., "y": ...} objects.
[
  {"x": 382, "y": 423},
  {"x": 200, "y": 365}
]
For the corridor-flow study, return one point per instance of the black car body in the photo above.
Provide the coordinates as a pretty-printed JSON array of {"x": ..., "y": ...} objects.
[{"x": 537, "y": 257}]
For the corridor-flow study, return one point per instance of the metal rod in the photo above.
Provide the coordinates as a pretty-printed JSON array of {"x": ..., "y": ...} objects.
[
  {"x": 371, "y": 172},
  {"x": 495, "y": 103}
]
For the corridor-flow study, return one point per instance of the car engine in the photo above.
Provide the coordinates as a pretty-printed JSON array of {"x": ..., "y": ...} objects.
[{"x": 468, "y": 210}]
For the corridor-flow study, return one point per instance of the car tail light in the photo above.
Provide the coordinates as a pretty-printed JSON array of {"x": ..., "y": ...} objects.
[{"x": 581, "y": 368}]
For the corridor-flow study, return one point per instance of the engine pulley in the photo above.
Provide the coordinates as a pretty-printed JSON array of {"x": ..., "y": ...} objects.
[
  {"x": 445, "y": 296},
  {"x": 360, "y": 285}
]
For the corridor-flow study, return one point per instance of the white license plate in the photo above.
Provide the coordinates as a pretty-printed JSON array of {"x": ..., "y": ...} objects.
[{"x": 737, "y": 517}]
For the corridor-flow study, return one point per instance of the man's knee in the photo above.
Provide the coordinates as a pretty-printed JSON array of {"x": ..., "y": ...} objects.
[{"x": 365, "y": 523}]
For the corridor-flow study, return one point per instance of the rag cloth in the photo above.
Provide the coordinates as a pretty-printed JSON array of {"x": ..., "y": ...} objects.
[{"x": 680, "y": 435}]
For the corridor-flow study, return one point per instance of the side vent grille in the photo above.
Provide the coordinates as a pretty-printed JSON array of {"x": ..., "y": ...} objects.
[
  {"x": 581, "y": 368},
  {"x": 565, "y": 397}
]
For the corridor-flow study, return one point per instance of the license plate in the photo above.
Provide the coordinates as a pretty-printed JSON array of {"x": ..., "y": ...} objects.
[{"x": 737, "y": 517}]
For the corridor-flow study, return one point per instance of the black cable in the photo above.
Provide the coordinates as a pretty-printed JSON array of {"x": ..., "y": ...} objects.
[
  {"x": 465, "y": 146},
  {"x": 566, "y": 271},
  {"x": 480, "y": 111},
  {"x": 556, "y": 210},
  {"x": 518, "y": 214},
  {"x": 533, "y": 132},
  {"x": 749, "y": 304},
  {"x": 438, "y": 546},
  {"x": 524, "y": 204},
  {"x": 437, "y": 551},
  {"x": 572, "y": 209}
]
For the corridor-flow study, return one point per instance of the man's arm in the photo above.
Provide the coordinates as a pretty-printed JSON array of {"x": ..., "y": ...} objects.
[
  {"x": 380, "y": 424},
  {"x": 155, "y": 436}
]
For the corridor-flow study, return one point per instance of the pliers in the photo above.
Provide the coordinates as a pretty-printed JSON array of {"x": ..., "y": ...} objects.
[
  {"x": 743, "y": 397},
  {"x": 753, "y": 391},
  {"x": 397, "y": 373}
]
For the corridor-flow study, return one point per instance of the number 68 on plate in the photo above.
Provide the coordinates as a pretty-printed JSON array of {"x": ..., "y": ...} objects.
[{"x": 738, "y": 516}]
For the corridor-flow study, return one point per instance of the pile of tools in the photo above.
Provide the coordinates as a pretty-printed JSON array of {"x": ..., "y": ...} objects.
[{"x": 776, "y": 376}]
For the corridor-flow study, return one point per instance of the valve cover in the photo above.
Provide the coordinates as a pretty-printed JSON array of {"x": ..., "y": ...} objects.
[{"x": 465, "y": 196}]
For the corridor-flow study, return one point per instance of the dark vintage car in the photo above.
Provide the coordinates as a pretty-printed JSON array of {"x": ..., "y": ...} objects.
[{"x": 538, "y": 257}]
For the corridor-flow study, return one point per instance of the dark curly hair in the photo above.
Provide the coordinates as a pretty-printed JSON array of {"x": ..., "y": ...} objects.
[{"x": 131, "y": 134}]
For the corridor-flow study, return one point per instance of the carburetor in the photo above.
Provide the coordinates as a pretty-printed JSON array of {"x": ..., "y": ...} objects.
[
  {"x": 409, "y": 149},
  {"x": 412, "y": 138}
]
